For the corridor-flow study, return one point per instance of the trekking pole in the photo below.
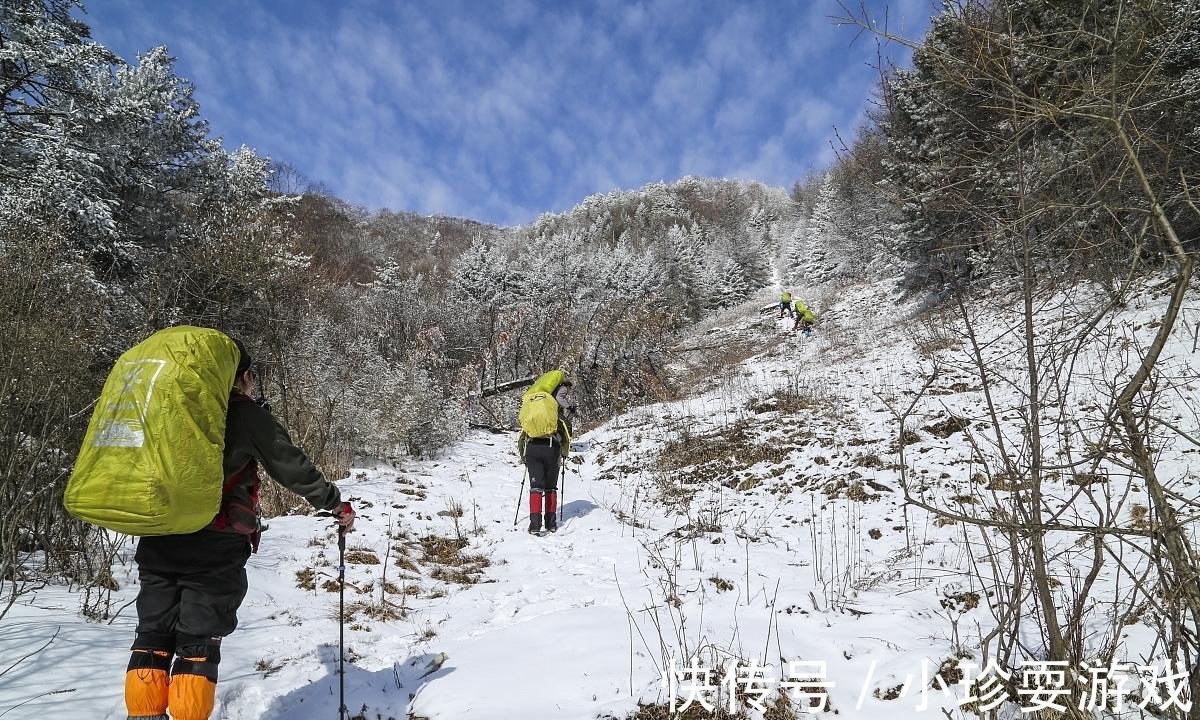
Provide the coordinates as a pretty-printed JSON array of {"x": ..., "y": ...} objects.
[
  {"x": 343, "y": 713},
  {"x": 520, "y": 496},
  {"x": 258, "y": 376},
  {"x": 562, "y": 490}
]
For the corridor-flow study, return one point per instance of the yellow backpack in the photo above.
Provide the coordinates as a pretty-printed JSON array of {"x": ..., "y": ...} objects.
[
  {"x": 539, "y": 409},
  {"x": 151, "y": 461}
]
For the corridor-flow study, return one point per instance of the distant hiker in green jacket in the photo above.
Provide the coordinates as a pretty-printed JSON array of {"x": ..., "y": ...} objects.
[
  {"x": 192, "y": 585},
  {"x": 785, "y": 303},
  {"x": 545, "y": 441},
  {"x": 804, "y": 318}
]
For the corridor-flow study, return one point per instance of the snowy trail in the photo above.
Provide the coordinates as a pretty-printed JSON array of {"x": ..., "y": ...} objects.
[
  {"x": 519, "y": 635},
  {"x": 552, "y": 597}
]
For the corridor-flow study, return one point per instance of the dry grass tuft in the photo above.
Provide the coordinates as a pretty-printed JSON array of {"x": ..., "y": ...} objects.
[
  {"x": 404, "y": 562},
  {"x": 361, "y": 557},
  {"x": 450, "y": 561},
  {"x": 306, "y": 579},
  {"x": 1005, "y": 482},
  {"x": 947, "y": 427},
  {"x": 1141, "y": 517},
  {"x": 268, "y": 667},
  {"x": 442, "y": 550},
  {"x": 379, "y": 611},
  {"x": 721, "y": 584},
  {"x": 1084, "y": 479}
]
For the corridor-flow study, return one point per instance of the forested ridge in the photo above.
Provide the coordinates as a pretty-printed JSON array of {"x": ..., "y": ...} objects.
[{"x": 1047, "y": 152}]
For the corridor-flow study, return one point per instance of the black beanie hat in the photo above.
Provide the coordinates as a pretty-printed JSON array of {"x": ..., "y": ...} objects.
[{"x": 244, "y": 359}]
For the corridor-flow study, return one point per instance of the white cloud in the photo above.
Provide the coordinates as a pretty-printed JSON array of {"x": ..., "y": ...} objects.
[
  {"x": 686, "y": 91},
  {"x": 503, "y": 110}
]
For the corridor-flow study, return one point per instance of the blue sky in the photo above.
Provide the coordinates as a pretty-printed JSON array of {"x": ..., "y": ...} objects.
[{"x": 502, "y": 110}]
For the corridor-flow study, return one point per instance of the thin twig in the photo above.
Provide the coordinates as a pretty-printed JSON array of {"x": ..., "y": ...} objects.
[
  {"x": 35, "y": 652},
  {"x": 35, "y": 697}
]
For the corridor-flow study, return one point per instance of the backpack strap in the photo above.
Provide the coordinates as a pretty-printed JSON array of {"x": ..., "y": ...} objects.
[
  {"x": 234, "y": 516},
  {"x": 251, "y": 466}
]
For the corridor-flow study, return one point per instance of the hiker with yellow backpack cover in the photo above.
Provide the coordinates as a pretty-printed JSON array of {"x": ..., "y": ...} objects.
[
  {"x": 545, "y": 439},
  {"x": 804, "y": 318},
  {"x": 171, "y": 455}
]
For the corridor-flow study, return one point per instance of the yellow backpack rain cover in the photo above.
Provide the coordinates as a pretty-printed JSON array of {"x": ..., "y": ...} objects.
[
  {"x": 539, "y": 409},
  {"x": 151, "y": 462}
]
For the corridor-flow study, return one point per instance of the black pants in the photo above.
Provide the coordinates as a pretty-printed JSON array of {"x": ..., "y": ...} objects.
[
  {"x": 191, "y": 585},
  {"x": 542, "y": 462}
]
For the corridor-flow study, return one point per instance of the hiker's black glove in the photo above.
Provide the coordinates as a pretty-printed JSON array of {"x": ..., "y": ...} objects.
[{"x": 345, "y": 518}]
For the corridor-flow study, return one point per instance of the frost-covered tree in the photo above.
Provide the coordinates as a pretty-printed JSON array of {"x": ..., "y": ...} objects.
[
  {"x": 846, "y": 220},
  {"x": 107, "y": 149},
  {"x": 686, "y": 276},
  {"x": 1026, "y": 113},
  {"x": 1050, "y": 148}
]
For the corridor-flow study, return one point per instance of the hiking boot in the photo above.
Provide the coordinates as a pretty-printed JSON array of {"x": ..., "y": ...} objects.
[
  {"x": 535, "y": 524},
  {"x": 551, "y": 523}
]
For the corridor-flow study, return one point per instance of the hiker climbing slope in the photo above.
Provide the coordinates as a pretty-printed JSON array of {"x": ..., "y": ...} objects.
[
  {"x": 544, "y": 442},
  {"x": 804, "y": 318}
]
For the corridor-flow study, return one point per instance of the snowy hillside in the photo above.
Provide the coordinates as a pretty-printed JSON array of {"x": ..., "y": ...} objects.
[{"x": 759, "y": 521}]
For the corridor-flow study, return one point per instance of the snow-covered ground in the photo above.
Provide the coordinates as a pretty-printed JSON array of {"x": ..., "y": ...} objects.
[{"x": 758, "y": 521}]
